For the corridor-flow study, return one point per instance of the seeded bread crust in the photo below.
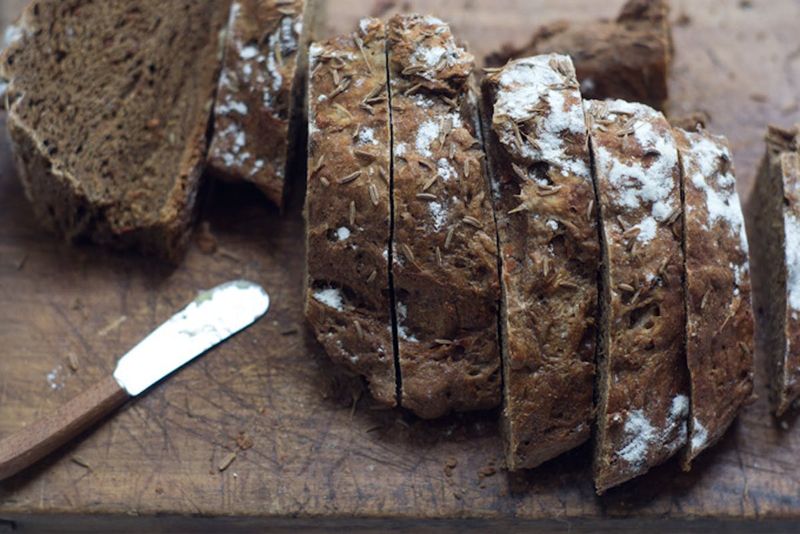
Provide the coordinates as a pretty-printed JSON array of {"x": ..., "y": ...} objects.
[
  {"x": 549, "y": 253},
  {"x": 774, "y": 228},
  {"x": 719, "y": 346},
  {"x": 124, "y": 173},
  {"x": 642, "y": 385},
  {"x": 444, "y": 250},
  {"x": 628, "y": 58},
  {"x": 261, "y": 88},
  {"x": 348, "y": 205}
]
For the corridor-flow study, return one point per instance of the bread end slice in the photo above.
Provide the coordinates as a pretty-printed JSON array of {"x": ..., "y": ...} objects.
[
  {"x": 773, "y": 226},
  {"x": 117, "y": 161}
]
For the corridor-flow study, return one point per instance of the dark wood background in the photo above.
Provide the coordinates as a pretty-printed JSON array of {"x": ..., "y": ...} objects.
[{"x": 308, "y": 444}]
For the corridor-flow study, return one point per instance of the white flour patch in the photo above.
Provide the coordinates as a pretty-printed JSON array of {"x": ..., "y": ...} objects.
[
  {"x": 366, "y": 136},
  {"x": 445, "y": 170},
  {"x": 55, "y": 378},
  {"x": 438, "y": 51},
  {"x": 230, "y": 105},
  {"x": 642, "y": 436},
  {"x": 439, "y": 214},
  {"x": 792, "y": 229},
  {"x": 249, "y": 52},
  {"x": 531, "y": 88},
  {"x": 364, "y": 25},
  {"x": 343, "y": 233},
  {"x": 635, "y": 184},
  {"x": 427, "y": 133},
  {"x": 702, "y": 163},
  {"x": 11, "y": 35},
  {"x": 402, "y": 331},
  {"x": 647, "y": 230},
  {"x": 330, "y": 297},
  {"x": 699, "y": 434}
]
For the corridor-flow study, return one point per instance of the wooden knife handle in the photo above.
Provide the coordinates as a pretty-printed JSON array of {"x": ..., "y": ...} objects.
[{"x": 49, "y": 433}]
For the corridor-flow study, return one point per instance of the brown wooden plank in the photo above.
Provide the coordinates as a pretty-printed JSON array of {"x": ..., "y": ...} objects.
[{"x": 312, "y": 454}]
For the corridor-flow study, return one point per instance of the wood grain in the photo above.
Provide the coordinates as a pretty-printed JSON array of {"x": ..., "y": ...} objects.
[{"x": 318, "y": 449}]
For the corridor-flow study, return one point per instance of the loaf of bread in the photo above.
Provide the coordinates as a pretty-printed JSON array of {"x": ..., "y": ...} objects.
[
  {"x": 627, "y": 58},
  {"x": 348, "y": 205},
  {"x": 719, "y": 316},
  {"x": 109, "y": 105},
  {"x": 444, "y": 250},
  {"x": 539, "y": 159},
  {"x": 260, "y": 99},
  {"x": 643, "y": 384},
  {"x": 774, "y": 228}
]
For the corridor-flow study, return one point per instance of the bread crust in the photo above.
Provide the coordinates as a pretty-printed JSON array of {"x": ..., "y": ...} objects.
[
  {"x": 444, "y": 250},
  {"x": 348, "y": 206},
  {"x": 549, "y": 249},
  {"x": 719, "y": 345},
  {"x": 264, "y": 62},
  {"x": 642, "y": 383},
  {"x": 73, "y": 204}
]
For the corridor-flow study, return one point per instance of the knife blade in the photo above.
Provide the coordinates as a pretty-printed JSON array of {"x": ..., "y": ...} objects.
[
  {"x": 212, "y": 317},
  {"x": 209, "y": 319}
]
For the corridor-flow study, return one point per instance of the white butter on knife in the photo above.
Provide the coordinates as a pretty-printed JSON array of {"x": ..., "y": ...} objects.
[{"x": 213, "y": 316}]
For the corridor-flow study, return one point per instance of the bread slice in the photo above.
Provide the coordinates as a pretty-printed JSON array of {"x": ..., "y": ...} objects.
[
  {"x": 642, "y": 384},
  {"x": 109, "y": 107},
  {"x": 774, "y": 228},
  {"x": 627, "y": 58},
  {"x": 348, "y": 205},
  {"x": 444, "y": 248},
  {"x": 260, "y": 99},
  {"x": 719, "y": 345},
  {"x": 539, "y": 158}
]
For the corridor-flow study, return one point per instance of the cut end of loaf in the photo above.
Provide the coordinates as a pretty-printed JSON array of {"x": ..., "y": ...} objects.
[
  {"x": 123, "y": 152},
  {"x": 773, "y": 209}
]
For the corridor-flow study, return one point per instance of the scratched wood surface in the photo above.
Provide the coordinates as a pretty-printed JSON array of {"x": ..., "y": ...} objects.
[{"x": 306, "y": 444}]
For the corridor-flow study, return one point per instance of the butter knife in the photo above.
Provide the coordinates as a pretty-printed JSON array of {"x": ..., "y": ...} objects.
[{"x": 212, "y": 317}]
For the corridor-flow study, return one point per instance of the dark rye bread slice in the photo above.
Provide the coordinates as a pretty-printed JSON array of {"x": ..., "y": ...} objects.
[
  {"x": 774, "y": 227},
  {"x": 444, "y": 249},
  {"x": 539, "y": 159},
  {"x": 259, "y": 111},
  {"x": 719, "y": 316},
  {"x": 627, "y": 58},
  {"x": 109, "y": 107},
  {"x": 348, "y": 205},
  {"x": 642, "y": 379}
]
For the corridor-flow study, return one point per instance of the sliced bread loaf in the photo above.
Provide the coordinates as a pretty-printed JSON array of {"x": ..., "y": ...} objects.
[
  {"x": 109, "y": 107},
  {"x": 348, "y": 205},
  {"x": 642, "y": 384},
  {"x": 774, "y": 228},
  {"x": 444, "y": 247},
  {"x": 259, "y": 108},
  {"x": 719, "y": 345},
  {"x": 539, "y": 159}
]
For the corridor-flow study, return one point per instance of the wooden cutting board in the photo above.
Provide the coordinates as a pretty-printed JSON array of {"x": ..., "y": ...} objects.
[{"x": 307, "y": 443}]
